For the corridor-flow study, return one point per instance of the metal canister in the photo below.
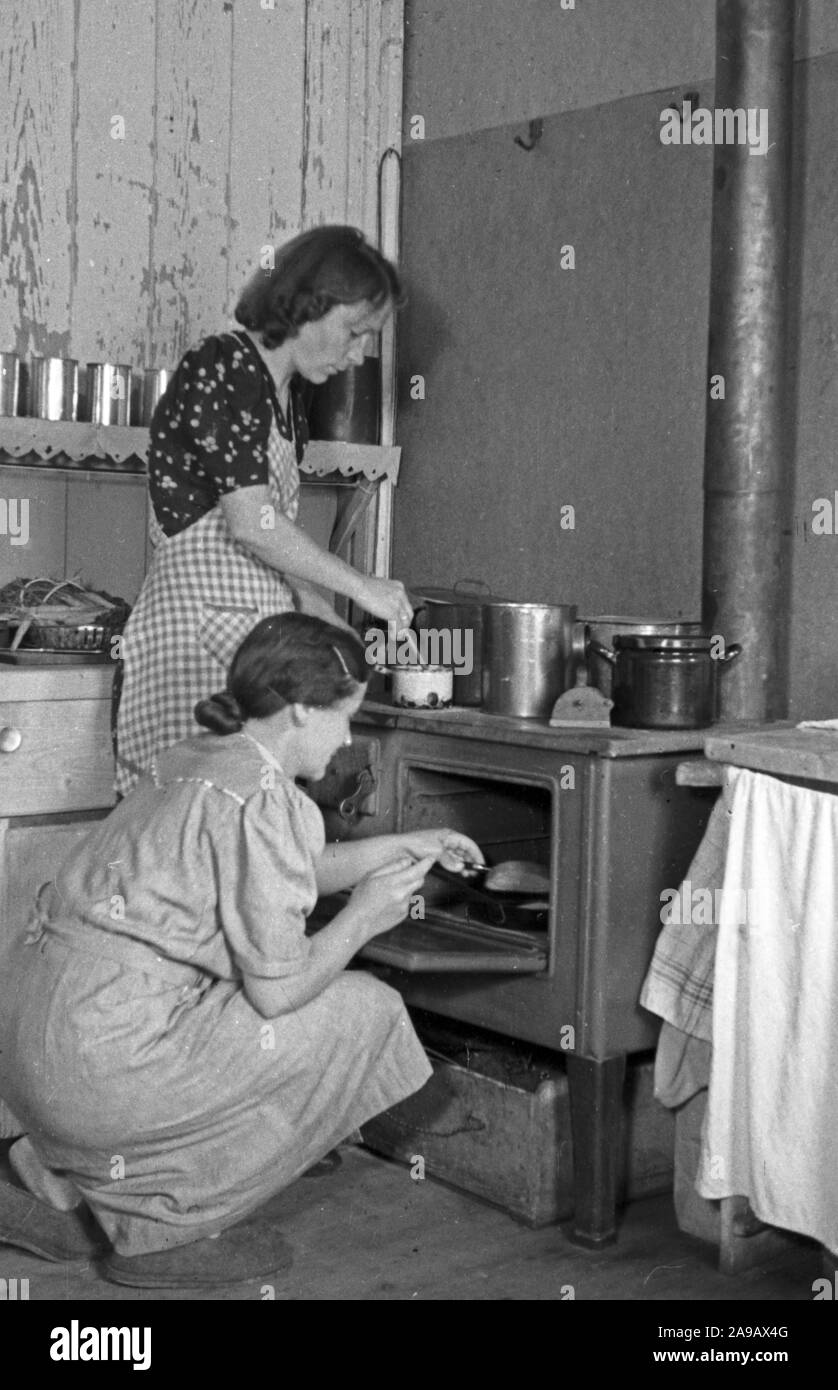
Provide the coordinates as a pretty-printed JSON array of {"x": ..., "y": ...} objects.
[
  {"x": 9, "y": 383},
  {"x": 346, "y": 406},
  {"x": 604, "y": 628},
  {"x": 530, "y": 654},
  {"x": 54, "y": 388},
  {"x": 155, "y": 382},
  {"x": 109, "y": 391},
  {"x": 666, "y": 682}
]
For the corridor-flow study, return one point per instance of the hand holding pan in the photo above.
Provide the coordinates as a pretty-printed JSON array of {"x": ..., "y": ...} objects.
[
  {"x": 501, "y": 907},
  {"x": 512, "y": 876}
]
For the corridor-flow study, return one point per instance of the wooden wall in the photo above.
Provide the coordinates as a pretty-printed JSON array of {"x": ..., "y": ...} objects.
[
  {"x": 149, "y": 151},
  {"x": 153, "y": 149}
]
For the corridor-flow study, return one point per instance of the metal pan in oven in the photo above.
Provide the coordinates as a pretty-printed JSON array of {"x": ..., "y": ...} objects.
[{"x": 499, "y": 909}]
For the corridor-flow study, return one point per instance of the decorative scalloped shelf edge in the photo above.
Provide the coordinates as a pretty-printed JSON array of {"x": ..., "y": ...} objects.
[
  {"x": 371, "y": 461},
  {"x": 74, "y": 440},
  {"x": 81, "y": 442}
]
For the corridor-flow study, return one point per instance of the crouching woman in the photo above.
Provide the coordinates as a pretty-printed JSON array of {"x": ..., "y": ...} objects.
[{"x": 177, "y": 1047}]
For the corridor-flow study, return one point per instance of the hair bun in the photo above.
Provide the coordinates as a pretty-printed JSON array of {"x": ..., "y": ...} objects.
[{"x": 221, "y": 713}]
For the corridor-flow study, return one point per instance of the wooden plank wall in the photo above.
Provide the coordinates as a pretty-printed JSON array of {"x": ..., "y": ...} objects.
[
  {"x": 143, "y": 181},
  {"x": 353, "y": 107},
  {"x": 149, "y": 152}
]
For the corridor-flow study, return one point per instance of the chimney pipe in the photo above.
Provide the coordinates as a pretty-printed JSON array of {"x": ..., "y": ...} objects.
[{"x": 747, "y": 465}]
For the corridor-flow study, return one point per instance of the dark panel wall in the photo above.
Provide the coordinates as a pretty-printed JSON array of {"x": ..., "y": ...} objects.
[
  {"x": 470, "y": 64},
  {"x": 546, "y": 387}
]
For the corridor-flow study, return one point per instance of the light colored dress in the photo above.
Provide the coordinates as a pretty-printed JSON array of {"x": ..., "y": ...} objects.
[{"x": 129, "y": 1049}]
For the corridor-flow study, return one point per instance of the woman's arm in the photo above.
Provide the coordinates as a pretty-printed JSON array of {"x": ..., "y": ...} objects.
[
  {"x": 378, "y": 903},
  {"x": 343, "y": 865},
  {"x": 282, "y": 545}
]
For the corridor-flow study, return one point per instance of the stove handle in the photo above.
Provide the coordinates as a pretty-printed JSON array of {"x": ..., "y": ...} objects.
[{"x": 350, "y": 808}]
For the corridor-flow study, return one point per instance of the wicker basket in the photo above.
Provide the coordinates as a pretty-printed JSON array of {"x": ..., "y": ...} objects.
[{"x": 62, "y": 616}]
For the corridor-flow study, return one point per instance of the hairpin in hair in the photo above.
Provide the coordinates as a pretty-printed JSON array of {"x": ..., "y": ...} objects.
[{"x": 346, "y": 669}]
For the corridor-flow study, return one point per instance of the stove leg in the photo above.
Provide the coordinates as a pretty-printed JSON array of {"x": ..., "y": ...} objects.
[{"x": 596, "y": 1108}]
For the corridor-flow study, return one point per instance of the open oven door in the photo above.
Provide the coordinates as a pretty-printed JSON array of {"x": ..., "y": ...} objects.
[
  {"x": 445, "y": 941},
  {"x": 454, "y": 947}
]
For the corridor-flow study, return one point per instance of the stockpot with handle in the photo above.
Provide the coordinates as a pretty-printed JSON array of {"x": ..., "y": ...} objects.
[
  {"x": 666, "y": 682},
  {"x": 605, "y": 627},
  {"x": 530, "y": 655}
]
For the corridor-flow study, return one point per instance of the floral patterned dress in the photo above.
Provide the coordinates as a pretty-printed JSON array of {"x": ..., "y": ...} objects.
[{"x": 219, "y": 427}]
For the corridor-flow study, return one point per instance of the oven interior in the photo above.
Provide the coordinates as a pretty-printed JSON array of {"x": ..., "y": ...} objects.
[{"x": 454, "y": 925}]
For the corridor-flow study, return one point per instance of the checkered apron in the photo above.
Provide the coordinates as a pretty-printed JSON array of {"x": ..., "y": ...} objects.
[{"x": 203, "y": 594}]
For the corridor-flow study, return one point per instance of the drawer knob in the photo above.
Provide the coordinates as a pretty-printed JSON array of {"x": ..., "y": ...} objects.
[{"x": 10, "y": 739}]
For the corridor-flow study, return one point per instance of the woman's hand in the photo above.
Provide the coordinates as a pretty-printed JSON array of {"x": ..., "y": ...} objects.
[
  {"x": 453, "y": 850},
  {"x": 386, "y": 599},
  {"x": 383, "y": 897}
]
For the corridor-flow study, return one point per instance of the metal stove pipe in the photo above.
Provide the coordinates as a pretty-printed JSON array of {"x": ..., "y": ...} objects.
[{"x": 747, "y": 465}]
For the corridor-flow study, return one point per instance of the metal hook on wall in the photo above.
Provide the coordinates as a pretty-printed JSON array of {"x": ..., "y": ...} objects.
[
  {"x": 694, "y": 100},
  {"x": 536, "y": 132}
]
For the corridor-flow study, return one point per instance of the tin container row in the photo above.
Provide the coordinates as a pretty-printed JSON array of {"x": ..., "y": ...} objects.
[{"x": 58, "y": 388}]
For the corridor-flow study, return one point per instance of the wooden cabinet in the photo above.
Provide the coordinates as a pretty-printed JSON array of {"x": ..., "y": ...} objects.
[{"x": 56, "y": 776}]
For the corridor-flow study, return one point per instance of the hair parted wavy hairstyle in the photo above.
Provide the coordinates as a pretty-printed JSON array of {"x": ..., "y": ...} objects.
[
  {"x": 287, "y": 659},
  {"x": 311, "y": 274}
]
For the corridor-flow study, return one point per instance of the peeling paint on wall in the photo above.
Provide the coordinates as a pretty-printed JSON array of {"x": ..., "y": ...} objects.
[{"x": 130, "y": 248}]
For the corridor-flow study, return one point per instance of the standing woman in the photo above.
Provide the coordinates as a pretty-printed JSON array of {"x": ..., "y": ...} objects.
[{"x": 226, "y": 441}]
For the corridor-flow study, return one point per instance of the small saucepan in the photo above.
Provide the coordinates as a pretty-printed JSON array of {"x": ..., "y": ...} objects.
[{"x": 422, "y": 687}]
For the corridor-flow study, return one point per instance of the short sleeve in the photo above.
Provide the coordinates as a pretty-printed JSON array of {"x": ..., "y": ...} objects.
[
  {"x": 221, "y": 411},
  {"x": 267, "y": 883}
]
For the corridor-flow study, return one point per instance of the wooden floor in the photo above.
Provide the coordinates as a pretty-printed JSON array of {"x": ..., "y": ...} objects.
[{"x": 369, "y": 1232}]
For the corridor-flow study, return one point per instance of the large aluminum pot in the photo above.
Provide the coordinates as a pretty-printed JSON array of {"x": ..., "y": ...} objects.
[
  {"x": 666, "y": 682},
  {"x": 605, "y": 627},
  {"x": 530, "y": 654},
  {"x": 449, "y": 622}
]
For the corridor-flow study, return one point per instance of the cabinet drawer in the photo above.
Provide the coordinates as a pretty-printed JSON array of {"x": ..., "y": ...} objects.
[{"x": 63, "y": 760}]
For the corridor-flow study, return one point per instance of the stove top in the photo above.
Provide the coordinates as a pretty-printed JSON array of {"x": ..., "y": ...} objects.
[{"x": 461, "y": 722}]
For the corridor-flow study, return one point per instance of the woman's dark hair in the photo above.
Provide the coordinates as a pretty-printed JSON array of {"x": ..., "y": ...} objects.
[
  {"x": 310, "y": 275},
  {"x": 288, "y": 659}
]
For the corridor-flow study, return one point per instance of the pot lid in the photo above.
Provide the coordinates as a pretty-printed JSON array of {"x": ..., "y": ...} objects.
[
  {"x": 635, "y": 641},
  {"x": 673, "y": 625}
]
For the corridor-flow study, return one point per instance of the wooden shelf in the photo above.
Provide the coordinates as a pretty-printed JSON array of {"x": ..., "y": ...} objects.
[{"x": 69, "y": 444}]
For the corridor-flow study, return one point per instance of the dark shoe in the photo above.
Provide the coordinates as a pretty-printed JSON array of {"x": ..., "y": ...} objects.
[
  {"x": 252, "y": 1249},
  {"x": 29, "y": 1224}
]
